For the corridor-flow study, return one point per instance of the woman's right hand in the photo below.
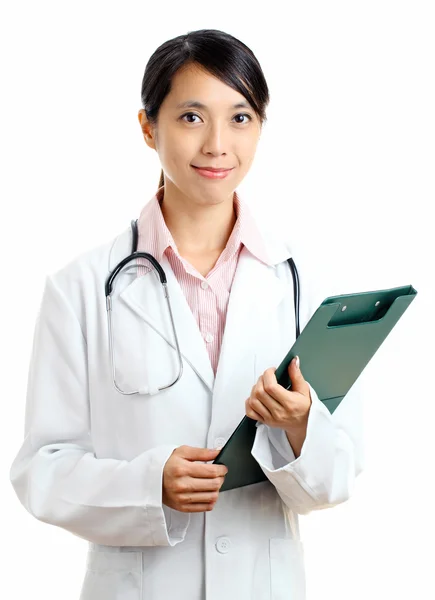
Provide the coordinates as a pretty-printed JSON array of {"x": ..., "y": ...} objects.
[{"x": 189, "y": 486}]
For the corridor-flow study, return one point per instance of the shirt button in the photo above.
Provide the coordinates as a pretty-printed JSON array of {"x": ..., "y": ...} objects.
[
  {"x": 209, "y": 337},
  {"x": 204, "y": 285},
  {"x": 220, "y": 442},
  {"x": 223, "y": 545}
]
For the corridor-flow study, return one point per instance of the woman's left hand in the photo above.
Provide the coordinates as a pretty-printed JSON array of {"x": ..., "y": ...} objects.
[{"x": 271, "y": 404}]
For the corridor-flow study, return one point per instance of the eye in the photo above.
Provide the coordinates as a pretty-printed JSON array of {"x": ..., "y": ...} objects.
[
  {"x": 244, "y": 115},
  {"x": 190, "y": 114}
]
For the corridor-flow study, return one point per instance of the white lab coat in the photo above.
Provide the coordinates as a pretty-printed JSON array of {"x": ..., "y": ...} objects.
[{"x": 92, "y": 460}]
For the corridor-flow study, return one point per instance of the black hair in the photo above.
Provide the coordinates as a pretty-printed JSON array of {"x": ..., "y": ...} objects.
[{"x": 220, "y": 53}]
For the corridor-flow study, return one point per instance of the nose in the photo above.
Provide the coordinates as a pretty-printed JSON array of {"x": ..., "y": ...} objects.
[{"x": 216, "y": 140}]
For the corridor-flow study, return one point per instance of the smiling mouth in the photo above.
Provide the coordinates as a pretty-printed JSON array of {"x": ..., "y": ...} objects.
[{"x": 212, "y": 169}]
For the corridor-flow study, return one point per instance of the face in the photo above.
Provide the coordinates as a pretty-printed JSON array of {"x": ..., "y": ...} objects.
[{"x": 217, "y": 134}]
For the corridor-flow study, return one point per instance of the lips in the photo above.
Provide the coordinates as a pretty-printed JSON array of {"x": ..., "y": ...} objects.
[
  {"x": 212, "y": 173},
  {"x": 212, "y": 169}
]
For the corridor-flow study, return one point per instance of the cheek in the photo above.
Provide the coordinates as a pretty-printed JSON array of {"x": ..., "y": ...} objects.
[
  {"x": 175, "y": 149},
  {"x": 245, "y": 160}
]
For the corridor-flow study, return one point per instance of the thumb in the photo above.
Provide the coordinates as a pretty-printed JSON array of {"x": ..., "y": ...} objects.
[{"x": 296, "y": 377}]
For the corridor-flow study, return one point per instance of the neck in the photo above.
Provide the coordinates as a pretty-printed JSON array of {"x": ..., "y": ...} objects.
[{"x": 198, "y": 228}]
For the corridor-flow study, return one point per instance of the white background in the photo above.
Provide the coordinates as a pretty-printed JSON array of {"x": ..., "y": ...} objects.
[{"x": 346, "y": 161}]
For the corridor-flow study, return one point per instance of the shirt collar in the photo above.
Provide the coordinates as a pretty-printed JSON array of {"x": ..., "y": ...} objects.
[{"x": 155, "y": 237}]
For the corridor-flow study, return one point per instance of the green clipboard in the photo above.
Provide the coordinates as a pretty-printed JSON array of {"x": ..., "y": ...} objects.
[{"x": 334, "y": 347}]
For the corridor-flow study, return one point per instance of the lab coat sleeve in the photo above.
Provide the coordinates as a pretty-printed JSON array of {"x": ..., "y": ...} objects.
[
  {"x": 56, "y": 474},
  {"x": 324, "y": 473}
]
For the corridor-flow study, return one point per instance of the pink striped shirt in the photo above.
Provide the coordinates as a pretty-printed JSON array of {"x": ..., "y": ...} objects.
[{"x": 207, "y": 296}]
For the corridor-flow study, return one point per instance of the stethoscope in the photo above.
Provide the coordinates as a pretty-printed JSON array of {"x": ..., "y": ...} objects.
[{"x": 109, "y": 289}]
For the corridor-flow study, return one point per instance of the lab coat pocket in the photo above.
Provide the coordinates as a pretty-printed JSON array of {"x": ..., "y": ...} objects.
[
  {"x": 113, "y": 576},
  {"x": 287, "y": 569}
]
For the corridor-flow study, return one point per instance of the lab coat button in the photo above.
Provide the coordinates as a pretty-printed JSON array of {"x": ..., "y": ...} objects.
[
  {"x": 204, "y": 285},
  {"x": 223, "y": 545},
  {"x": 220, "y": 442}
]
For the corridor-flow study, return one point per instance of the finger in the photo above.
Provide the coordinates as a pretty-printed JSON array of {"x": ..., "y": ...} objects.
[
  {"x": 193, "y": 485},
  {"x": 274, "y": 395},
  {"x": 261, "y": 410},
  {"x": 198, "y": 497},
  {"x": 267, "y": 399},
  {"x": 252, "y": 414},
  {"x": 256, "y": 402},
  {"x": 202, "y": 471},
  {"x": 202, "y": 454},
  {"x": 196, "y": 508}
]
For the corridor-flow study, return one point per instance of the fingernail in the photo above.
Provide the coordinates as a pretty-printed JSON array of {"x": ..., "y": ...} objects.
[{"x": 297, "y": 362}]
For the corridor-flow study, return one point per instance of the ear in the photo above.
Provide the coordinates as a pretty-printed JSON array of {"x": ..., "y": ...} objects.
[{"x": 147, "y": 130}]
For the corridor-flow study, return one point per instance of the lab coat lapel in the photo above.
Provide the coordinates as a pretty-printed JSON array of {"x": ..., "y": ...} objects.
[
  {"x": 145, "y": 296},
  {"x": 255, "y": 292}
]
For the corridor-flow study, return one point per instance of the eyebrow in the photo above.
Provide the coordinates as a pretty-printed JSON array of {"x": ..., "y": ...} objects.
[{"x": 196, "y": 104}]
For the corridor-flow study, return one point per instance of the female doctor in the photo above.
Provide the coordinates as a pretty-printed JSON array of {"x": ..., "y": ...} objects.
[{"x": 132, "y": 473}]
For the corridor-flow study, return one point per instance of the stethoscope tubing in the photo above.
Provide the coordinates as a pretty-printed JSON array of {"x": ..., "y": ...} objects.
[{"x": 108, "y": 288}]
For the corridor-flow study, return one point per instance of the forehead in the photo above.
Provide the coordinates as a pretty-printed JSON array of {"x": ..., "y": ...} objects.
[{"x": 193, "y": 86}]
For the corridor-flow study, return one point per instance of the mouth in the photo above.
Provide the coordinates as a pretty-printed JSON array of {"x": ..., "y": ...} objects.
[
  {"x": 212, "y": 169},
  {"x": 212, "y": 174}
]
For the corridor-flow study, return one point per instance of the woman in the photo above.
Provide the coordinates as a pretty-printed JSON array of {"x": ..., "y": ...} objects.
[{"x": 133, "y": 474}]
